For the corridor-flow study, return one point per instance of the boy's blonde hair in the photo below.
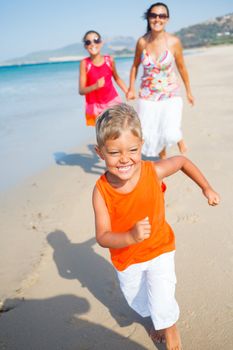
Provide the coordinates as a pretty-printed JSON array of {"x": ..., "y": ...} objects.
[{"x": 114, "y": 120}]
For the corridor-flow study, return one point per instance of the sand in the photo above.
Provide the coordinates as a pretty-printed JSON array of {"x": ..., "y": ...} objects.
[{"x": 58, "y": 289}]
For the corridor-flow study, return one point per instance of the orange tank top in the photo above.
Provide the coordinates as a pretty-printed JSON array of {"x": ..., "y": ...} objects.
[{"x": 125, "y": 209}]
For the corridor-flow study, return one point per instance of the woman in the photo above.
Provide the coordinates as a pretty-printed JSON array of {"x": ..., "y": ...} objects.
[{"x": 160, "y": 104}]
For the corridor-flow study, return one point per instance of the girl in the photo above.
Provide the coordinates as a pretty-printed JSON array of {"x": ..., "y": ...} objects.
[
  {"x": 160, "y": 104},
  {"x": 95, "y": 79}
]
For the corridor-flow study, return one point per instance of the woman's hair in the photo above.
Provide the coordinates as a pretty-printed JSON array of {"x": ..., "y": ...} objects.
[
  {"x": 114, "y": 120},
  {"x": 90, "y": 32},
  {"x": 145, "y": 16}
]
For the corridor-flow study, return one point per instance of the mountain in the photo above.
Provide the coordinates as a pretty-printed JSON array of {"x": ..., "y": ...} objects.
[
  {"x": 213, "y": 32},
  {"x": 117, "y": 46}
]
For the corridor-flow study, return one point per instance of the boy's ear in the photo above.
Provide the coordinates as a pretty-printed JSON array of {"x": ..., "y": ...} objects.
[{"x": 98, "y": 151}]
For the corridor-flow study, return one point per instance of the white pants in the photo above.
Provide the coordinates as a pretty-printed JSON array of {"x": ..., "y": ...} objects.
[
  {"x": 149, "y": 289},
  {"x": 161, "y": 124}
]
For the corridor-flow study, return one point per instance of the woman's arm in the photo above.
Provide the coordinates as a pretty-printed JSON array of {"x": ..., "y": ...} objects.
[
  {"x": 117, "y": 78},
  {"x": 179, "y": 59},
  {"x": 171, "y": 165},
  {"x": 104, "y": 235},
  {"x": 134, "y": 69},
  {"x": 83, "y": 89}
]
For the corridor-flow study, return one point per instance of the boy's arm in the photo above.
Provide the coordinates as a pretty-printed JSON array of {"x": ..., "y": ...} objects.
[
  {"x": 104, "y": 235},
  {"x": 171, "y": 165}
]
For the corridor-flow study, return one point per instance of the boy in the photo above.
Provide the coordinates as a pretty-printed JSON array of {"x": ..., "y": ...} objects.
[{"x": 130, "y": 219}]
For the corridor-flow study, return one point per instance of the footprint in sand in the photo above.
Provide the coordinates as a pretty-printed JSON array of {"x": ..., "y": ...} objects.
[
  {"x": 39, "y": 222},
  {"x": 186, "y": 325},
  {"x": 189, "y": 218}
]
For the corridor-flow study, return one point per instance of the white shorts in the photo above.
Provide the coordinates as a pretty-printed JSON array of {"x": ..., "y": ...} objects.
[
  {"x": 149, "y": 289},
  {"x": 161, "y": 124}
]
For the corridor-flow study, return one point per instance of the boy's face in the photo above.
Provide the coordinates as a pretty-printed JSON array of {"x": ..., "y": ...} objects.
[{"x": 123, "y": 155}]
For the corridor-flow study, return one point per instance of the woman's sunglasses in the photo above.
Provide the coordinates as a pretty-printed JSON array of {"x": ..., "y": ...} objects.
[
  {"x": 95, "y": 41},
  {"x": 155, "y": 15}
]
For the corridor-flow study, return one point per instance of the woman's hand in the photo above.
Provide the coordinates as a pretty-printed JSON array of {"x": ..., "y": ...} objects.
[
  {"x": 190, "y": 98},
  {"x": 130, "y": 95}
]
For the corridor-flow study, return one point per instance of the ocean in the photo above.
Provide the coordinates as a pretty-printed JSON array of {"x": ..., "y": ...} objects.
[{"x": 42, "y": 115}]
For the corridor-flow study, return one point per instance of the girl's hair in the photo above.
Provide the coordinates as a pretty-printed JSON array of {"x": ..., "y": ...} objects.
[
  {"x": 145, "y": 16},
  {"x": 114, "y": 120},
  {"x": 90, "y": 32}
]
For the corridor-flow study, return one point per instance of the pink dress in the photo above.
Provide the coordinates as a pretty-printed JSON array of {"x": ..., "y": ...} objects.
[{"x": 98, "y": 100}]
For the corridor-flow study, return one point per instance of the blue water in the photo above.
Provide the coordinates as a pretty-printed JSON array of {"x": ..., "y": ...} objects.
[{"x": 41, "y": 115}]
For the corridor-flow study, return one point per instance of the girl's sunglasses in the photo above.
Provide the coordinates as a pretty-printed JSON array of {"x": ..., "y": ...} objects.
[
  {"x": 155, "y": 15},
  {"x": 95, "y": 41}
]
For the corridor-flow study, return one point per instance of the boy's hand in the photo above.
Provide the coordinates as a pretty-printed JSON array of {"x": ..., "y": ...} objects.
[
  {"x": 100, "y": 83},
  {"x": 212, "y": 196},
  {"x": 141, "y": 230}
]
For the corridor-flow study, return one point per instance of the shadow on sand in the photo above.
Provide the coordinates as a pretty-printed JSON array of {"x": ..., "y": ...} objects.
[
  {"x": 89, "y": 161},
  {"x": 80, "y": 261},
  {"x": 55, "y": 324}
]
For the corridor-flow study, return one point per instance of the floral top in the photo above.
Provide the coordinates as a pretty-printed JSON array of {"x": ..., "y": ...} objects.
[{"x": 159, "y": 80}]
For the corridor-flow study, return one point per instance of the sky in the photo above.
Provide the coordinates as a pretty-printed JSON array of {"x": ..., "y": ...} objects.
[{"x": 33, "y": 25}]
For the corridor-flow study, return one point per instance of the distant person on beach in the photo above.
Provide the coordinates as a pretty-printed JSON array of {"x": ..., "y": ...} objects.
[
  {"x": 129, "y": 211},
  {"x": 160, "y": 104},
  {"x": 95, "y": 79}
]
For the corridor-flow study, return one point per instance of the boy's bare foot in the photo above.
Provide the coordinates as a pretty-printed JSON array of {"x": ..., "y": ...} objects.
[
  {"x": 163, "y": 154},
  {"x": 182, "y": 146},
  {"x": 158, "y": 336},
  {"x": 172, "y": 336}
]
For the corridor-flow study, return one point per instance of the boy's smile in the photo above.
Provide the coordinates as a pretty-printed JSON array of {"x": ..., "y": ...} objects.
[{"x": 124, "y": 169}]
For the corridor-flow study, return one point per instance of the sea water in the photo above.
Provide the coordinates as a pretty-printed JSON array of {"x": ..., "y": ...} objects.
[{"x": 41, "y": 116}]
